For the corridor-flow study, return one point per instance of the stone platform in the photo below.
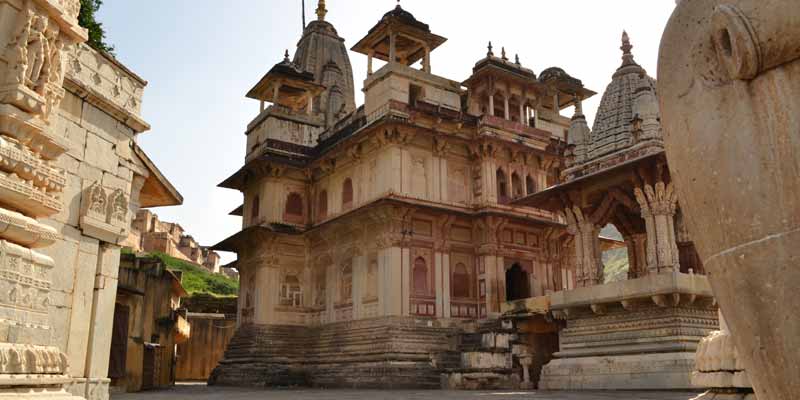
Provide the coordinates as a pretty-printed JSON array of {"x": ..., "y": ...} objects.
[
  {"x": 385, "y": 353},
  {"x": 202, "y": 392}
]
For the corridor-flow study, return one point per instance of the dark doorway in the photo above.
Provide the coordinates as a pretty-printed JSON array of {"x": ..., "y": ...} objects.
[
  {"x": 517, "y": 284},
  {"x": 119, "y": 342}
]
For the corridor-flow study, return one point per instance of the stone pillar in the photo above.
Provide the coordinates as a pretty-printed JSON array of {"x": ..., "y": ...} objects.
[
  {"x": 659, "y": 204},
  {"x": 491, "y": 104},
  {"x": 36, "y": 37},
  {"x": 588, "y": 255},
  {"x": 370, "y": 56},
  {"x": 389, "y": 274},
  {"x": 405, "y": 281},
  {"x": 506, "y": 111},
  {"x": 103, "y": 304},
  {"x": 490, "y": 263},
  {"x": 522, "y": 114},
  {"x": 426, "y": 61},
  {"x": 446, "y": 285},
  {"x": 359, "y": 284}
]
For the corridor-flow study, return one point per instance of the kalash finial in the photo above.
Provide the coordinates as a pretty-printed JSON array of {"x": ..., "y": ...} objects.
[
  {"x": 503, "y": 54},
  {"x": 516, "y": 60},
  {"x": 321, "y": 10},
  {"x": 490, "y": 53},
  {"x": 627, "y": 56},
  {"x": 286, "y": 56}
]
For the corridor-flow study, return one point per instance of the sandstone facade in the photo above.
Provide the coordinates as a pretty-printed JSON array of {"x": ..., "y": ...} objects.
[{"x": 72, "y": 177}]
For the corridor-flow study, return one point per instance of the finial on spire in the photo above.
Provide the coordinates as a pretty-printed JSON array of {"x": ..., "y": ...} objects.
[
  {"x": 490, "y": 53},
  {"x": 286, "y": 56},
  {"x": 503, "y": 54},
  {"x": 516, "y": 60},
  {"x": 627, "y": 56},
  {"x": 321, "y": 10}
]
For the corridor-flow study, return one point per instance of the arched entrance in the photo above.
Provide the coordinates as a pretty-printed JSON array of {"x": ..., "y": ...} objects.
[{"x": 517, "y": 283}]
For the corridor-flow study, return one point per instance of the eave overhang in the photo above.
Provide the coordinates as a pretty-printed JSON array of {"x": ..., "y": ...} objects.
[{"x": 157, "y": 191}]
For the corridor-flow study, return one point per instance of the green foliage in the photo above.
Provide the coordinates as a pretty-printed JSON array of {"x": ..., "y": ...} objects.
[
  {"x": 196, "y": 279},
  {"x": 616, "y": 265},
  {"x": 615, "y": 261},
  {"x": 97, "y": 35}
]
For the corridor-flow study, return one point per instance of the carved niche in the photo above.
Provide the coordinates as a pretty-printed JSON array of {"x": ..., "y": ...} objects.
[{"x": 104, "y": 213}]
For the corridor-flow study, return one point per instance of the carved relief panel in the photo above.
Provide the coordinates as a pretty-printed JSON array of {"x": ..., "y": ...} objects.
[{"x": 104, "y": 213}]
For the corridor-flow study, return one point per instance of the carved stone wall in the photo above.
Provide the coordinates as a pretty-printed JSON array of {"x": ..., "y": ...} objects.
[
  {"x": 32, "y": 187},
  {"x": 70, "y": 179}
]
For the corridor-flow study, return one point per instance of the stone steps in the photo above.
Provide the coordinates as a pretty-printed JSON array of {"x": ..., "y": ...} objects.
[{"x": 379, "y": 353}]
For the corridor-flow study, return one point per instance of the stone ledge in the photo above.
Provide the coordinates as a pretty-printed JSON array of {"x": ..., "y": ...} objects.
[{"x": 648, "y": 287}]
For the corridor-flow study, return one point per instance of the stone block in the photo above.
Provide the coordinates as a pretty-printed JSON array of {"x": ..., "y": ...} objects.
[
  {"x": 100, "y": 153},
  {"x": 100, "y": 123},
  {"x": 667, "y": 371},
  {"x": 89, "y": 245},
  {"x": 89, "y": 174},
  {"x": 68, "y": 163},
  {"x": 76, "y": 138},
  {"x": 125, "y": 173},
  {"x": 65, "y": 254},
  {"x": 81, "y": 315},
  {"x": 71, "y": 108},
  {"x": 112, "y": 181},
  {"x": 108, "y": 265},
  {"x": 71, "y": 197},
  {"x": 102, "y": 317}
]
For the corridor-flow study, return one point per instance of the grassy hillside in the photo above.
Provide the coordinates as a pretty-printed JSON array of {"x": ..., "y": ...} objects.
[
  {"x": 616, "y": 260},
  {"x": 196, "y": 279}
]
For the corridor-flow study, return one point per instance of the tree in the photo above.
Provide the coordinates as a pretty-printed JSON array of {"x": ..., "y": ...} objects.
[{"x": 97, "y": 35}]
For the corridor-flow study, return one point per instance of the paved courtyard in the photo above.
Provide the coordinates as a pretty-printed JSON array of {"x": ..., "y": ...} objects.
[{"x": 202, "y": 392}]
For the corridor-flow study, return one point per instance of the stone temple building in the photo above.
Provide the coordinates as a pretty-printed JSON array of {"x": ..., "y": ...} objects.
[{"x": 447, "y": 233}]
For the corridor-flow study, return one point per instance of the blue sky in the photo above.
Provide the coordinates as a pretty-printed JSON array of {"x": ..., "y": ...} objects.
[{"x": 200, "y": 57}]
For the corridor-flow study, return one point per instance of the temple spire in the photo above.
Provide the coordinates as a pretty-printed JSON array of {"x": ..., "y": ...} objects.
[
  {"x": 627, "y": 56},
  {"x": 321, "y": 11}
]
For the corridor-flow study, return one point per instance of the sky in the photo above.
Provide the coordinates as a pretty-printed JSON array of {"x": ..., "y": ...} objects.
[{"x": 201, "y": 57}]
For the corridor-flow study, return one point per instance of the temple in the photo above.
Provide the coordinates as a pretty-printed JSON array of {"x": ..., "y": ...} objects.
[{"x": 448, "y": 233}]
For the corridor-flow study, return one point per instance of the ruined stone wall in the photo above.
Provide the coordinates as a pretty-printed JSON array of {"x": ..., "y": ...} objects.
[{"x": 150, "y": 234}]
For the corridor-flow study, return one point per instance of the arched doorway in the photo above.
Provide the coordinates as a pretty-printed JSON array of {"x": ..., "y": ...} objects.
[{"x": 518, "y": 285}]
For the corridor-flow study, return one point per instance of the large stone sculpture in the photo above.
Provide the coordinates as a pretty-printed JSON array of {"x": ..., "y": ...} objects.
[{"x": 729, "y": 85}]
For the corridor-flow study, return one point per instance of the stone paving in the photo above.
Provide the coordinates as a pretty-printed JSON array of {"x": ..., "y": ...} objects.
[{"x": 202, "y": 392}]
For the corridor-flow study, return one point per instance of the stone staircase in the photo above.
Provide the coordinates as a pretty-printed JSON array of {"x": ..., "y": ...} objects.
[
  {"x": 395, "y": 353},
  {"x": 487, "y": 358},
  {"x": 263, "y": 356}
]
